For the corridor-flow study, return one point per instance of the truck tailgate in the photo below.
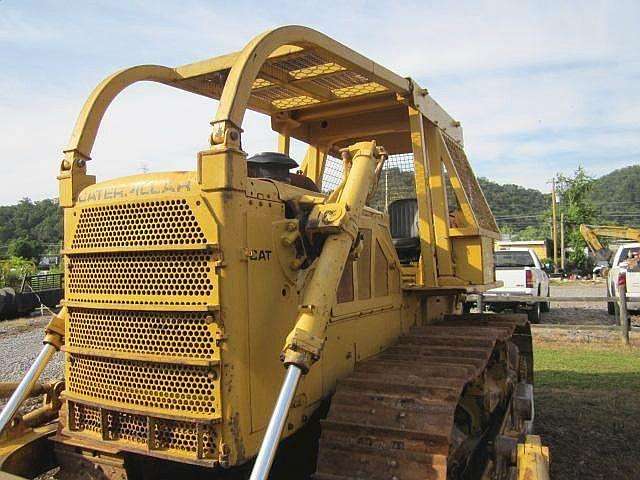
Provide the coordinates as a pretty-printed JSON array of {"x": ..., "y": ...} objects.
[
  {"x": 512, "y": 278},
  {"x": 633, "y": 284}
]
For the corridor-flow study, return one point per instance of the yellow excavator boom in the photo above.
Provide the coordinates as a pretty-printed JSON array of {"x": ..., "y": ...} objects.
[{"x": 592, "y": 234}]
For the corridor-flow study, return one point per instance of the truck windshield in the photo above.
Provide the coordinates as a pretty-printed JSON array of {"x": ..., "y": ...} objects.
[
  {"x": 628, "y": 253},
  {"x": 513, "y": 260}
]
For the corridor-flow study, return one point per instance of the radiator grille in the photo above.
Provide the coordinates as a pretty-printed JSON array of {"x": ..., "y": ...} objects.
[
  {"x": 166, "y": 435},
  {"x": 169, "y": 274},
  {"x": 172, "y": 334},
  {"x": 141, "y": 224},
  {"x": 83, "y": 417},
  {"x": 125, "y": 426},
  {"x": 174, "y": 389}
]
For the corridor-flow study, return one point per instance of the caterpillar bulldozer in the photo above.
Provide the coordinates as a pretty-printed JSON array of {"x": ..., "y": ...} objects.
[{"x": 217, "y": 319}]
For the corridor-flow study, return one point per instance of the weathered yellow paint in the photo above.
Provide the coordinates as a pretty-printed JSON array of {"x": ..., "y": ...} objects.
[
  {"x": 428, "y": 271},
  {"x": 314, "y": 162},
  {"x": 533, "y": 459},
  {"x": 440, "y": 211}
]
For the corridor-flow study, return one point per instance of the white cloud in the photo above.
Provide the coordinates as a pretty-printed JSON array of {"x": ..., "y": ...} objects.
[{"x": 538, "y": 86}]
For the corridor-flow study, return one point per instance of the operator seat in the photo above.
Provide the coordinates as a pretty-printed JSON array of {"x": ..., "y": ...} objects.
[{"x": 403, "y": 220}]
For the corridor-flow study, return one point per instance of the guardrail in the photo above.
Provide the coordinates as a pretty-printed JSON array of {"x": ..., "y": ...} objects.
[
  {"x": 41, "y": 282},
  {"x": 534, "y": 299}
]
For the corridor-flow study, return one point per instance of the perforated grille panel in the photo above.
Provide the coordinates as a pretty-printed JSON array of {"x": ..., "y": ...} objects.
[
  {"x": 179, "y": 278},
  {"x": 176, "y": 389},
  {"x": 183, "y": 438},
  {"x": 141, "y": 224},
  {"x": 125, "y": 426},
  {"x": 84, "y": 417},
  {"x": 142, "y": 364},
  {"x": 167, "y": 334}
]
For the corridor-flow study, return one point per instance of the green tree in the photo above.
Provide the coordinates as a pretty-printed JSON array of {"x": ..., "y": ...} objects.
[
  {"x": 538, "y": 232},
  {"x": 13, "y": 270},
  {"x": 26, "y": 248},
  {"x": 575, "y": 202}
]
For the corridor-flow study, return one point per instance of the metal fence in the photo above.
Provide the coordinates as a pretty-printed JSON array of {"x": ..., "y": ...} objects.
[{"x": 621, "y": 304}]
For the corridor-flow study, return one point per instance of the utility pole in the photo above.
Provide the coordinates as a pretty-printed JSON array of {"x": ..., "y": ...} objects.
[
  {"x": 562, "y": 241},
  {"x": 554, "y": 226}
]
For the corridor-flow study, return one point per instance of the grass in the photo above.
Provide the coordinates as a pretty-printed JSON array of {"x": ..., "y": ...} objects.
[
  {"x": 588, "y": 409},
  {"x": 587, "y": 366}
]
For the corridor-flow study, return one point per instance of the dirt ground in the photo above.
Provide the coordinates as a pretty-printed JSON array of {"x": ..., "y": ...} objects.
[
  {"x": 581, "y": 313},
  {"x": 586, "y": 384},
  {"x": 585, "y": 407}
]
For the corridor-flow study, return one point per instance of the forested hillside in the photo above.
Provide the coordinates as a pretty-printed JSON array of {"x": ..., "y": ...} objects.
[
  {"x": 512, "y": 203},
  {"x": 617, "y": 196},
  {"x": 29, "y": 228}
]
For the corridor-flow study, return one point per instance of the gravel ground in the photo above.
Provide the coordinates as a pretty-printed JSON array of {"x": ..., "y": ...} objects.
[
  {"x": 20, "y": 343},
  {"x": 581, "y": 313}
]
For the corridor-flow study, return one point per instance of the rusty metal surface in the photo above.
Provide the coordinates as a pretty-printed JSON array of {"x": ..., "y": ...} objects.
[{"x": 393, "y": 417}]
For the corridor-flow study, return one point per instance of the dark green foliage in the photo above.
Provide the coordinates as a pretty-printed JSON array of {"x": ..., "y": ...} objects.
[
  {"x": 578, "y": 209},
  {"x": 29, "y": 227},
  {"x": 13, "y": 270},
  {"x": 617, "y": 196},
  {"x": 520, "y": 212},
  {"x": 25, "y": 248},
  {"x": 511, "y": 200}
]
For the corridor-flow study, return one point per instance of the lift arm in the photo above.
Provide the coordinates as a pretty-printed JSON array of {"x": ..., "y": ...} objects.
[{"x": 338, "y": 218}]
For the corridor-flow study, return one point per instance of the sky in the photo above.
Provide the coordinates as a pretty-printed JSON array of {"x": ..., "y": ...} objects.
[{"x": 540, "y": 87}]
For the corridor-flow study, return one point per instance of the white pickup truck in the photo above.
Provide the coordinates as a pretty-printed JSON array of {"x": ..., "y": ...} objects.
[
  {"x": 624, "y": 261},
  {"x": 522, "y": 274}
]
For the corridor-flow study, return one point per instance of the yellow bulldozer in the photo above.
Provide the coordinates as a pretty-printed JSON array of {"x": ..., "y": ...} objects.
[{"x": 256, "y": 307}]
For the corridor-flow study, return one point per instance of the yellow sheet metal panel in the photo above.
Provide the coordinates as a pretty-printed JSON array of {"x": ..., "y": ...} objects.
[
  {"x": 272, "y": 311},
  {"x": 468, "y": 258}
]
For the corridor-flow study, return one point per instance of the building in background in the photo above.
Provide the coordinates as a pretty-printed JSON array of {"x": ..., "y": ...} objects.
[{"x": 543, "y": 248}]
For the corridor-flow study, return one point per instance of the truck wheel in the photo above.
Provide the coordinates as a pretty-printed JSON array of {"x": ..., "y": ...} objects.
[
  {"x": 611, "y": 308},
  {"x": 535, "y": 313}
]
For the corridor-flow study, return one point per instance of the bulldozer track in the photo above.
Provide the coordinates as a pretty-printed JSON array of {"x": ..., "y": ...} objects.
[{"x": 393, "y": 417}]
